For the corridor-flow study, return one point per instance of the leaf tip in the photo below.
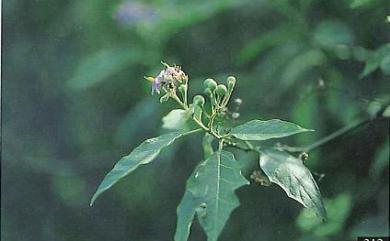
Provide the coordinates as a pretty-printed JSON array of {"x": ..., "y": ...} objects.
[{"x": 93, "y": 199}]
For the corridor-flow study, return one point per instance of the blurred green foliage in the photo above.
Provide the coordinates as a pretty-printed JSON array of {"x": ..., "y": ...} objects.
[{"x": 74, "y": 102}]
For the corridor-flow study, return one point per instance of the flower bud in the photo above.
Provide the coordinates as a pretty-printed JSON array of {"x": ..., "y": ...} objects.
[
  {"x": 198, "y": 100},
  {"x": 235, "y": 115},
  {"x": 221, "y": 90},
  {"x": 231, "y": 82},
  {"x": 210, "y": 83},
  {"x": 238, "y": 101},
  {"x": 208, "y": 92}
]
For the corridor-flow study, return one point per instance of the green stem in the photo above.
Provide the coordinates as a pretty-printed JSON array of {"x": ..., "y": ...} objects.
[{"x": 340, "y": 132}]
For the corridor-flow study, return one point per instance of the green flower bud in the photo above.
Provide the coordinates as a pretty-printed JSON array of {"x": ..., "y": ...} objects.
[
  {"x": 221, "y": 90},
  {"x": 198, "y": 100},
  {"x": 210, "y": 83},
  {"x": 231, "y": 82}
]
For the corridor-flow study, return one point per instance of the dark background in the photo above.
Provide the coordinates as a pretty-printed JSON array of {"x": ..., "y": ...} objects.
[{"x": 74, "y": 101}]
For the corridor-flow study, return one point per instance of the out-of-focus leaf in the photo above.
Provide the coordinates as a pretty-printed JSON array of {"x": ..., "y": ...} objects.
[
  {"x": 146, "y": 115},
  {"x": 361, "y": 3},
  {"x": 338, "y": 210},
  {"x": 381, "y": 160},
  {"x": 386, "y": 112},
  {"x": 376, "y": 59},
  {"x": 255, "y": 47},
  {"x": 295, "y": 179},
  {"x": 304, "y": 113},
  {"x": 176, "y": 119},
  {"x": 337, "y": 92},
  {"x": 70, "y": 189},
  {"x": 207, "y": 145},
  {"x": 214, "y": 183},
  {"x": 312, "y": 238},
  {"x": 101, "y": 65},
  {"x": 377, "y": 225},
  {"x": 300, "y": 64},
  {"x": 170, "y": 22},
  {"x": 331, "y": 33},
  {"x": 143, "y": 154},
  {"x": 262, "y": 130},
  {"x": 385, "y": 64}
]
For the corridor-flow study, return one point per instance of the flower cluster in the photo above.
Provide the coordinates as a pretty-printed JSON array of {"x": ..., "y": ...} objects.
[{"x": 168, "y": 79}]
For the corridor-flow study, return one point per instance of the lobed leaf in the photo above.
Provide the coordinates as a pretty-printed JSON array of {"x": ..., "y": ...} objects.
[
  {"x": 295, "y": 179},
  {"x": 258, "y": 130},
  {"x": 143, "y": 154},
  {"x": 186, "y": 211},
  {"x": 210, "y": 195}
]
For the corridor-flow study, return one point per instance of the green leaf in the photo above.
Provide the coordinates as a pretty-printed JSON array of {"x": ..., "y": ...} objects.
[
  {"x": 381, "y": 160},
  {"x": 376, "y": 59},
  {"x": 257, "y": 130},
  {"x": 143, "y": 154},
  {"x": 102, "y": 65},
  {"x": 186, "y": 211},
  {"x": 210, "y": 195},
  {"x": 261, "y": 43},
  {"x": 295, "y": 179},
  {"x": 330, "y": 33},
  {"x": 145, "y": 113},
  {"x": 386, "y": 112},
  {"x": 299, "y": 65},
  {"x": 176, "y": 119}
]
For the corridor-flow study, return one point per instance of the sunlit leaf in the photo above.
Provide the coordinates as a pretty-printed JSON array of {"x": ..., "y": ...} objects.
[
  {"x": 176, "y": 119},
  {"x": 210, "y": 195},
  {"x": 143, "y": 154},
  {"x": 295, "y": 179},
  {"x": 263, "y": 130}
]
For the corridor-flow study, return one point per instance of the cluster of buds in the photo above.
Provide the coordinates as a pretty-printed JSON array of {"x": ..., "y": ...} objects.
[
  {"x": 168, "y": 79},
  {"x": 219, "y": 93},
  {"x": 172, "y": 80}
]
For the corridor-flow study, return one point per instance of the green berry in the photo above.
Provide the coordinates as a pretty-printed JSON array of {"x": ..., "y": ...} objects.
[
  {"x": 210, "y": 83},
  {"x": 198, "y": 100},
  {"x": 221, "y": 90}
]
